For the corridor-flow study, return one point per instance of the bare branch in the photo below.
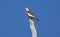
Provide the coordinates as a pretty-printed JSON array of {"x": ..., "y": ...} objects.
[{"x": 32, "y": 27}]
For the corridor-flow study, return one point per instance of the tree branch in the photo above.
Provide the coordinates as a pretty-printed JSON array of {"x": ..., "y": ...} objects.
[{"x": 32, "y": 27}]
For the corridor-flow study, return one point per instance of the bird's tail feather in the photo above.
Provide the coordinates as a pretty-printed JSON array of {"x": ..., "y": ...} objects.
[{"x": 37, "y": 20}]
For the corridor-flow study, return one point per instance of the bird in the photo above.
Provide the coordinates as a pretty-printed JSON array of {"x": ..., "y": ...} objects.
[{"x": 31, "y": 15}]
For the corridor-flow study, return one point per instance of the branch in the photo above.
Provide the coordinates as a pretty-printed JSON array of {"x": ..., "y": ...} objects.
[{"x": 32, "y": 27}]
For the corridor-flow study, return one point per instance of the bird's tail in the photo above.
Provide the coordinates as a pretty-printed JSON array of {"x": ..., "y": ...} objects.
[{"x": 37, "y": 20}]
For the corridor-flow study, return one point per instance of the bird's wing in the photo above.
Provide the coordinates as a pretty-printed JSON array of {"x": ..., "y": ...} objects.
[{"x": 32, "y": 14}]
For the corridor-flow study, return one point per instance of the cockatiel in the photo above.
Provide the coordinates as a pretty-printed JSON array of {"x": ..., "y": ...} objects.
[{"x": 31, "y": 15}]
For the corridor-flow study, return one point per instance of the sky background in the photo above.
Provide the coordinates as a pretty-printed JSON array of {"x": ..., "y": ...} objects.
[{"x": 14, "y": 21}]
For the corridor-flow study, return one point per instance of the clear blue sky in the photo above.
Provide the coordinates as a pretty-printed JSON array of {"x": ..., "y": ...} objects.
[{"x": 14, "y": 21}]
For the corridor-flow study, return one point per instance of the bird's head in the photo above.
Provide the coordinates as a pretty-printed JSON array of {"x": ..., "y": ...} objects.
[{"x": 27, "y": 9}]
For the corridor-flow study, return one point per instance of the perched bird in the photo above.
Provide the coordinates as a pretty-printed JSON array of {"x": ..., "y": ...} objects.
[{"x": 31, "y": 15}]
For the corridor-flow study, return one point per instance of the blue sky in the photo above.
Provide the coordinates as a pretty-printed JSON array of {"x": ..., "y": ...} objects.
[{"x": 14, "y": 21}]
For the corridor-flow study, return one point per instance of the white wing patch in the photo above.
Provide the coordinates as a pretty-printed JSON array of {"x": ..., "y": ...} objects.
[{"x": 30, "y": 15}]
